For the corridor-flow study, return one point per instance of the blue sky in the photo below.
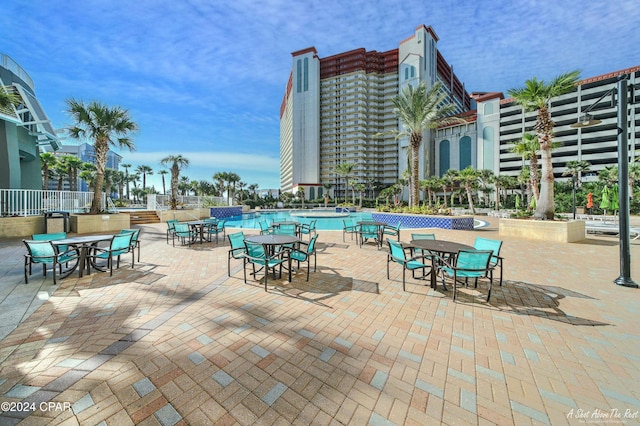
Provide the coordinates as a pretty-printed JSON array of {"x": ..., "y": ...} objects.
[{"x": 205, "y": 79}]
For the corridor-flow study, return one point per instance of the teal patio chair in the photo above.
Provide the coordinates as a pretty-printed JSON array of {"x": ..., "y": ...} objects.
[
  {"x": 422, "y": 237},
  {"x": 216, "y": 230},
  {"x": 393, "y": 231},
  {"x": 171, "y": 228},
  {"x": 45, "y": 253},
  {"x": 50, "y": 237},
  {"x": 256, "y": 255},
  {"x": 369, "y": 232},
  {"x": 285, "y": 229},
  {"x": 265, "y": 229},
  {"x": 308, "y": 229},
  {"x": 468, "y": 264},
  {"x": 135, "y": 239},
  {"x": 304, "y": 255},
  {"x": 398, "y": 254},
  {"x": 349, "y": 228},
  {"x": 184, "y": 232},
  {"x": 237, "y": 251},
  {"x": 493, "y": 245},
  {"x": 120, "y": 244}
]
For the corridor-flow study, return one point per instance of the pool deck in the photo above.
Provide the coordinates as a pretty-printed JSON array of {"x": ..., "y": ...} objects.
[{"x": 176, "y": 341}]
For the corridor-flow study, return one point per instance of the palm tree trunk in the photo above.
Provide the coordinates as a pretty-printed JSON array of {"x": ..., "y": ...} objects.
[
  {"x": 416, "y": 140},
  {"x": 545, "y": 207}
]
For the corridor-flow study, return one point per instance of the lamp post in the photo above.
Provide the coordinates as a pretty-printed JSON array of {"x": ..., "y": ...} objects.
[
  {"x": 623, "y": 173},
  {"x": 573, "y": 187}
]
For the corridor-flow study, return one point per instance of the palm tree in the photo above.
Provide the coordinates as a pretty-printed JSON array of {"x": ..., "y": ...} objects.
[
  {"x": 254, "y": 190},
  {"x": 345, "y": 170},
  {"x": 420, "y": 109},
  {"x": 536, "y": 96},
  {"x": 144, "y": 171},
  {"x": 73, "y": 163},
  {"x": 468, "y": 177},
  {"x": 185, "y": 185},
  {"x": 175, "y": 164},
  {"x": 162, "y": 173},
  {"x": 48, "y": 161},
  {"x": 127, "y": 180},
  {"x": 106, "y": 127},
  {"x": 528, "y": 148},
  {"x": 120, "y": 180},
  {"x": 360, "y": 187},
  {"x": 327, "y": 187}
]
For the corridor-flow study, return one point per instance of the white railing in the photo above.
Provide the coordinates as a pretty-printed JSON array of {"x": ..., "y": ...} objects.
[
  {"x": 163, "y": 202},
  {"x": 33, "y": 202}
]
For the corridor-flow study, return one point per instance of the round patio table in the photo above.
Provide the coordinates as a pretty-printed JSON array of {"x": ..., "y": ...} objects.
[
  {"x": 83, "y": 243},
  {"x": 439, "y": 247},
  {"x": 270, "y": 241}
]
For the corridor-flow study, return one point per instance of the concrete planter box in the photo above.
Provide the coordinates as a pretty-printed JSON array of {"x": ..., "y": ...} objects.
[
  {"x": 22, "y": 227},
  {"x": 95, "y": 223},
  {"x": 183, "y": 215},
  {"x": 545, "y": 230}
]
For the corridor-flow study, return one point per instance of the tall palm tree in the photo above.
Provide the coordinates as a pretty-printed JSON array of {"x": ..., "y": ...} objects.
[
  {"x": 144, "y": 171},
  {"x": 345, "y": 170},
  {"x": 575, "y": 168},
  {"x": 127, "y": 180},
  {"x": 420, "y": 109},
  {"x": 536, "y": 96},
  {"x": 528, "y": 148},
  {"x": 106, "y": 126},
  {"x": 175, "y": 163},
  {"x": 48, "y": 161},
  {"x": 162, "y": 173},
  {"x": 73, "y": 164},
  {"x": 449, "y": 179},
  {"x": 469, "y": 177},
  {"x": 254, "y": 190}
]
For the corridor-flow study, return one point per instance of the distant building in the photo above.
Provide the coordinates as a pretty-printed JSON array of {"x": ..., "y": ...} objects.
[
  {"x": 338, "y": 109},
  {"x": 86, "y": 153},
  {"x": 25, "y": 130}
]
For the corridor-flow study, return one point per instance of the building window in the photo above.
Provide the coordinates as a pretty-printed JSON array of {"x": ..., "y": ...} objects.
[
  {"x": 465, "y": 152},
  {"x": 299, "y": 76},
  {"x": 488, "y": 109},
  {"x": 487, "y": 148},
  {"x": 306, "y": 74},
  {"x": 445, "y": 163}
]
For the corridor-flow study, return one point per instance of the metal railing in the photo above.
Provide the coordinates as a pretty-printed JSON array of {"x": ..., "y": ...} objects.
[
  {"x": 33, "y": 202},
  {"x": 163, "y": 202}
]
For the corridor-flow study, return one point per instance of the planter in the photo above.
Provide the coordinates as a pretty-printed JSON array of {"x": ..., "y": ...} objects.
[
  {"x": 544, "y": 230},
  {"x": 426, "y": 221},
  {"x": 95, "y": 223},
  {"x": 21, "y": 226}
]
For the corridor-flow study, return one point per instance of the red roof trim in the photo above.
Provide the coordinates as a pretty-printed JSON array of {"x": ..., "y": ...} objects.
[{"x": 303, "y": 51}]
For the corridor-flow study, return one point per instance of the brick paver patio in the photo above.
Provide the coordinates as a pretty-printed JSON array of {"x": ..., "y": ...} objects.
[{"x": 177, "y": 341}]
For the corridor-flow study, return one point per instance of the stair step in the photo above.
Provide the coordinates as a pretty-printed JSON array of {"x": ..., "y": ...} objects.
[{"x": 144, "y": 216}]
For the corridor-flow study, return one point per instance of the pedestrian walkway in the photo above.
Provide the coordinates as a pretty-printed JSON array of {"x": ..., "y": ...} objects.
[{"x": 177, "y": 341}]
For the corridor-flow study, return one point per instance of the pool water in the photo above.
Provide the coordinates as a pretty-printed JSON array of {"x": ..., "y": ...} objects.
[{"x": 252, "y": 220}]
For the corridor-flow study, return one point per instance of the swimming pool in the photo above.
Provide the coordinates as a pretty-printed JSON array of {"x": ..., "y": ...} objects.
[{"x": 252, "y": 220}]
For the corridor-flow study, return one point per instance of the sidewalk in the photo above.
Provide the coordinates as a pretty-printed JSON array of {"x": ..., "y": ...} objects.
[{"x": 176, "y": 341}]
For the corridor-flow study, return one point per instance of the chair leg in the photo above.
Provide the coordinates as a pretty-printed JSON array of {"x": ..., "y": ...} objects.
[
  {"x": 490, "y": 285},
  {"x": 26, "y": 278},
  {"x": 404, "y": 272}
]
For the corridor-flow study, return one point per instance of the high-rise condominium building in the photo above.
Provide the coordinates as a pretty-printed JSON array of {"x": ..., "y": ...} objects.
[{"x": 338, "y": 110}]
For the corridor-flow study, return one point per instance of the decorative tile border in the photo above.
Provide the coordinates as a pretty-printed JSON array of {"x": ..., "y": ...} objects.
[
  {"x": 225, "y": 212},
  {"x": 422, "y": 221}
]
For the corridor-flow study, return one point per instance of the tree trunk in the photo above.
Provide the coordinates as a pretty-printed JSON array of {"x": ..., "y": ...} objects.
[
  {"x": 467, "y": 187},
  {"x": 545, "y": 208},
  {"x": 101, "y": 148},
  {"x": 414, "y": 196}
]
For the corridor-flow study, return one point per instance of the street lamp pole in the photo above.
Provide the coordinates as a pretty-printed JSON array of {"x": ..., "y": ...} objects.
[
  {"x": 623, "y": 178},
  {"x": 623, "y": 174},
  {"x": 573, "y": 185}
]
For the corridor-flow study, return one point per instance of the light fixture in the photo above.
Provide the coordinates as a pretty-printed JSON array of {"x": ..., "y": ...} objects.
[
  {"x": 622, "y": 90},
  {"x": 585, "y": 120}
]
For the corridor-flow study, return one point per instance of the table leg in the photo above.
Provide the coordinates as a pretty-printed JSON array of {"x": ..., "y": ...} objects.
[{"x": 289, "y": 263}]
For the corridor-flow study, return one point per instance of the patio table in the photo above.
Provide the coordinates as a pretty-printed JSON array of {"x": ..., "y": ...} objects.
[
  {"x": 271, "y": 241},
  {"x": 84, "y": 244},
  {"x": 439, "y": 248},
  {"x": 199, "y": 226}
]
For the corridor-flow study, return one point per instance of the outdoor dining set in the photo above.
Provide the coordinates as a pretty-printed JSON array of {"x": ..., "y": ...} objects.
[{"x": 277, "y": 246}]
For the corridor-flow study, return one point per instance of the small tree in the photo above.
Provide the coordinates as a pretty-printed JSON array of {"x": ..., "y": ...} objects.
[{"x": 175, "y": 163}]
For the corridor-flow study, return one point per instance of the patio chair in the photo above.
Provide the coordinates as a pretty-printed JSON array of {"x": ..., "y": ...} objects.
[
  {"x": 183, "y": 231},
  {"x": 398, "y": 254},
  {"x": 171, "y": 228},
  {"x": 468, "y": 264},
  {"x": 237, "y": 251},
  {"x": 493, "y": 245},
  {"x": 44, "y": 252},
  {"x": 265, "y": 229},
  {"x": 308, "y": 229},
  {"x": 349, "y": 228},
  {"x": 256, "y": 255},
  {"x": 285, "y": 229},
  {"x": 120, "y": 244},
  {"x": 393, "y": 231},
  {"x": 305, "y": 255},
  {"x": 135, "y": 240},
  {"x": 50, "y": 237},
  {"x": 369, "y": 232},
  {"x": 216, "y": 230},
  {"x": 422, "y": 237}
]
